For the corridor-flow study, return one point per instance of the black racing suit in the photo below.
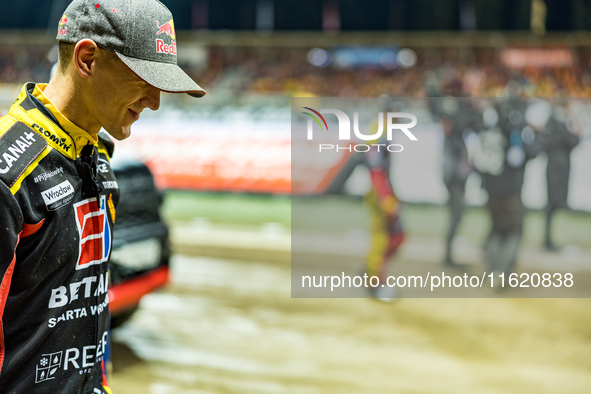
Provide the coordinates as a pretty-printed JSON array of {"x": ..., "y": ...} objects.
[{"x": 57, "y": 208}]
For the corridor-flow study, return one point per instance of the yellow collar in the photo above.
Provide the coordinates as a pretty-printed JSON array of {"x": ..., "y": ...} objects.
[{"x": 66, "y": 137}]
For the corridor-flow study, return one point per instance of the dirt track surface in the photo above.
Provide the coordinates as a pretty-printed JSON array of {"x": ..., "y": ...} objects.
[{"x": 231, "y": 327}]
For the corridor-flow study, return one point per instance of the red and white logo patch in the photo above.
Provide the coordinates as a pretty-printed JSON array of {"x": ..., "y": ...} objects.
[
  {"x": 94, "y": 231},
  {"x": 63, "y": 30}
]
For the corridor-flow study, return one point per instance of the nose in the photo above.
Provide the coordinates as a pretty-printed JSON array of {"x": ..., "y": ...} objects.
[{"x": 151, "y": 98}]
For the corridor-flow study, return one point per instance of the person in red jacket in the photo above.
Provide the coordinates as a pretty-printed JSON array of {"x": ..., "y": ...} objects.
[{"x": 387, "y": 232}]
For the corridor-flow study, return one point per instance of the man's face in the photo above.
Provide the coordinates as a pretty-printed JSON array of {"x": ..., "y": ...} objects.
[{"x": 119, "y": 96}]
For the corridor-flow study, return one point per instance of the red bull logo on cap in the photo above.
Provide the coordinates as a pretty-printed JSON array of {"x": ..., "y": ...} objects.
[
  {"x": 63, "y": 29},
  {"x": 167, "y": 28},
  {"x": 161, "y": 47}
]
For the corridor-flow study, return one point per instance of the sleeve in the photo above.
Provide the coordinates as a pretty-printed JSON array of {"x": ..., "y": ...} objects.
[
  {"x": 11, "y": 226},
  {"x": 532, "y": 143},
  {"x": 387, "y": 199},
  {"x": 569, "y": 140},
  {"x": 379, "y": 179},
  {"x": 558, "y": 137}
]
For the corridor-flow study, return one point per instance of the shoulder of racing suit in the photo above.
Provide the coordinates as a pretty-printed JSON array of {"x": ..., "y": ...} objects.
[
  {"x": 19, "y": 148},
  {"x": 30, "y": 131}
]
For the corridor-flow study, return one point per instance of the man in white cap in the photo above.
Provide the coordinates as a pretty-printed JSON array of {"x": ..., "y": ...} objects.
[{"x": 58, "y": 192}]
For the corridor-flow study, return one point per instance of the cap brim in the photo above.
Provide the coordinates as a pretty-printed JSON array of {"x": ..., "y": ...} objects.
[{"x": 163, "y": 76}]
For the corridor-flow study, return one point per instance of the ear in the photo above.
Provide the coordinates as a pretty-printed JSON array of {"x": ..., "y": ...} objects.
[{"x": 85, "y": 54}]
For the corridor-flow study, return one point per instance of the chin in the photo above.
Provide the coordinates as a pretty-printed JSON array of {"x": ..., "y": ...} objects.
[
  {"x": 120, "y": 134},
  {"x": 124, "y": 135}
]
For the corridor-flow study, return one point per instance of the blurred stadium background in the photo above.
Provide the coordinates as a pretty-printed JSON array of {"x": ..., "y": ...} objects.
[{"x": 226, "y": 323}]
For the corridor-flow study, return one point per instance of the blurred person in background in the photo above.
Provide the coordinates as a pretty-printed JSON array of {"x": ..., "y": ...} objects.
[
  {"x": 386, "y": 226},
  {"x": 456, "y": 116},
  {"x": 58, "y": 192},
  {"x": 507, "y": 143},
  {"x": 558, "y": 141}
]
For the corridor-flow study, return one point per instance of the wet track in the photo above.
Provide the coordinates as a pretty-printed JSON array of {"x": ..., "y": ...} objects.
[{"x": 227, "y": 326}]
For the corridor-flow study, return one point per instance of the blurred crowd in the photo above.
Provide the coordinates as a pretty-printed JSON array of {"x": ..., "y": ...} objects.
[
  {"x": 478, "y": 80},
  {"x": 287, "y": 71},
  {"x": 20, "y": 65}
]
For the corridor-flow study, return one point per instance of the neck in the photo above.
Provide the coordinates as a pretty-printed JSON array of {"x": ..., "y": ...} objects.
[{"x": 70, "y": 101}]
